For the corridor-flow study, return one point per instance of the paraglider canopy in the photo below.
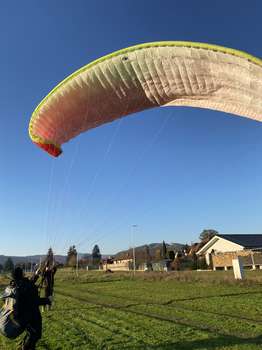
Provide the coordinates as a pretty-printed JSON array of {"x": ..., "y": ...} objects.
[{"x": 171, "y": 73}]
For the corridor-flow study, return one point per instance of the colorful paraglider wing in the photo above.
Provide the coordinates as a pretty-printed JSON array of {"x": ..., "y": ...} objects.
[{"x": 146, "y": 76}]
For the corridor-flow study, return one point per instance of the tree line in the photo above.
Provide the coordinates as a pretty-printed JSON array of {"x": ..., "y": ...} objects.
[
  {"x": 94, "y": 259},
  {"x": 143, "y": 255},
  {"x": 9, "y": 266}
]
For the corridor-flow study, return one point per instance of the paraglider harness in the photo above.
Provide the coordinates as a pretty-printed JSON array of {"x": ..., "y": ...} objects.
[
  {"x": 11, "y": 323},
  {"x": 10, "y": 327}
]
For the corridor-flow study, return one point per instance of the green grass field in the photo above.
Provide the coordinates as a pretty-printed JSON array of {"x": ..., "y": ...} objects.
[{"x": 195, "y": 310}]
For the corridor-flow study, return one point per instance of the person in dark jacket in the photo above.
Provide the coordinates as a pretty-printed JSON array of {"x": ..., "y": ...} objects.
[
  {"x": 48, "y": 282},
  {"x": 27, "y": 305}
]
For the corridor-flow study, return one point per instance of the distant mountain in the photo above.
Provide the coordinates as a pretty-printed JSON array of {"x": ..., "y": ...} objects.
[{"x": 34, "y": 259}]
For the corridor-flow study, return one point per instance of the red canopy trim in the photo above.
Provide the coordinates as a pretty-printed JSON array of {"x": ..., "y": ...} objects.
[{"x": 50, "y": 148}]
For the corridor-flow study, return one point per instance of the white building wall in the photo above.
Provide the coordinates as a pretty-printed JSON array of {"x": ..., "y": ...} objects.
[{"x": 223, "y": 245}]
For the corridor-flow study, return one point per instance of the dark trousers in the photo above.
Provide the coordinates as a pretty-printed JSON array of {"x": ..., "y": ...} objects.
[{"x": 33, "y": 331}]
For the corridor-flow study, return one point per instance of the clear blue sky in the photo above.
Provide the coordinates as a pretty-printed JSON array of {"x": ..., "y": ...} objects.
[{"x": 203, "y": 169}]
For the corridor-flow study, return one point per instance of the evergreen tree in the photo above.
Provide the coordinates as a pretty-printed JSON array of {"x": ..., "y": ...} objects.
[
  {"x": 96, "y": 255},
  {"x": 9, "y": 265},
  {"x": 147, "y": 254},
  {"x": 50, "y": 257},
  {"x": 164, "y": 250},
  {"x": 71, "y": 256}
]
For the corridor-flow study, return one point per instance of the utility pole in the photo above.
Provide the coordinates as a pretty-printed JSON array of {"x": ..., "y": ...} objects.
[
  {"x": 134, "y": 252},
  {"x": 77, "y": 264}
]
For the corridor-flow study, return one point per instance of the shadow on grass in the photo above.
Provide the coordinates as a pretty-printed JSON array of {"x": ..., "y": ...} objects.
[
  {"x": 211, "y": 296},
  {"x": 207, "y": 344},
  {"x": 225, "y": 295},
  {"x": 76, "y": 281},
  {"x": 219, "y": 314},
  {"x": 171, "y": 304},
  {"x": 210, "y": 343}
]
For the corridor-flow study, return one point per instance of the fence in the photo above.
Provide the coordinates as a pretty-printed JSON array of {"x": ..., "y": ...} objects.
[{"x": 249, "y": 259}]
